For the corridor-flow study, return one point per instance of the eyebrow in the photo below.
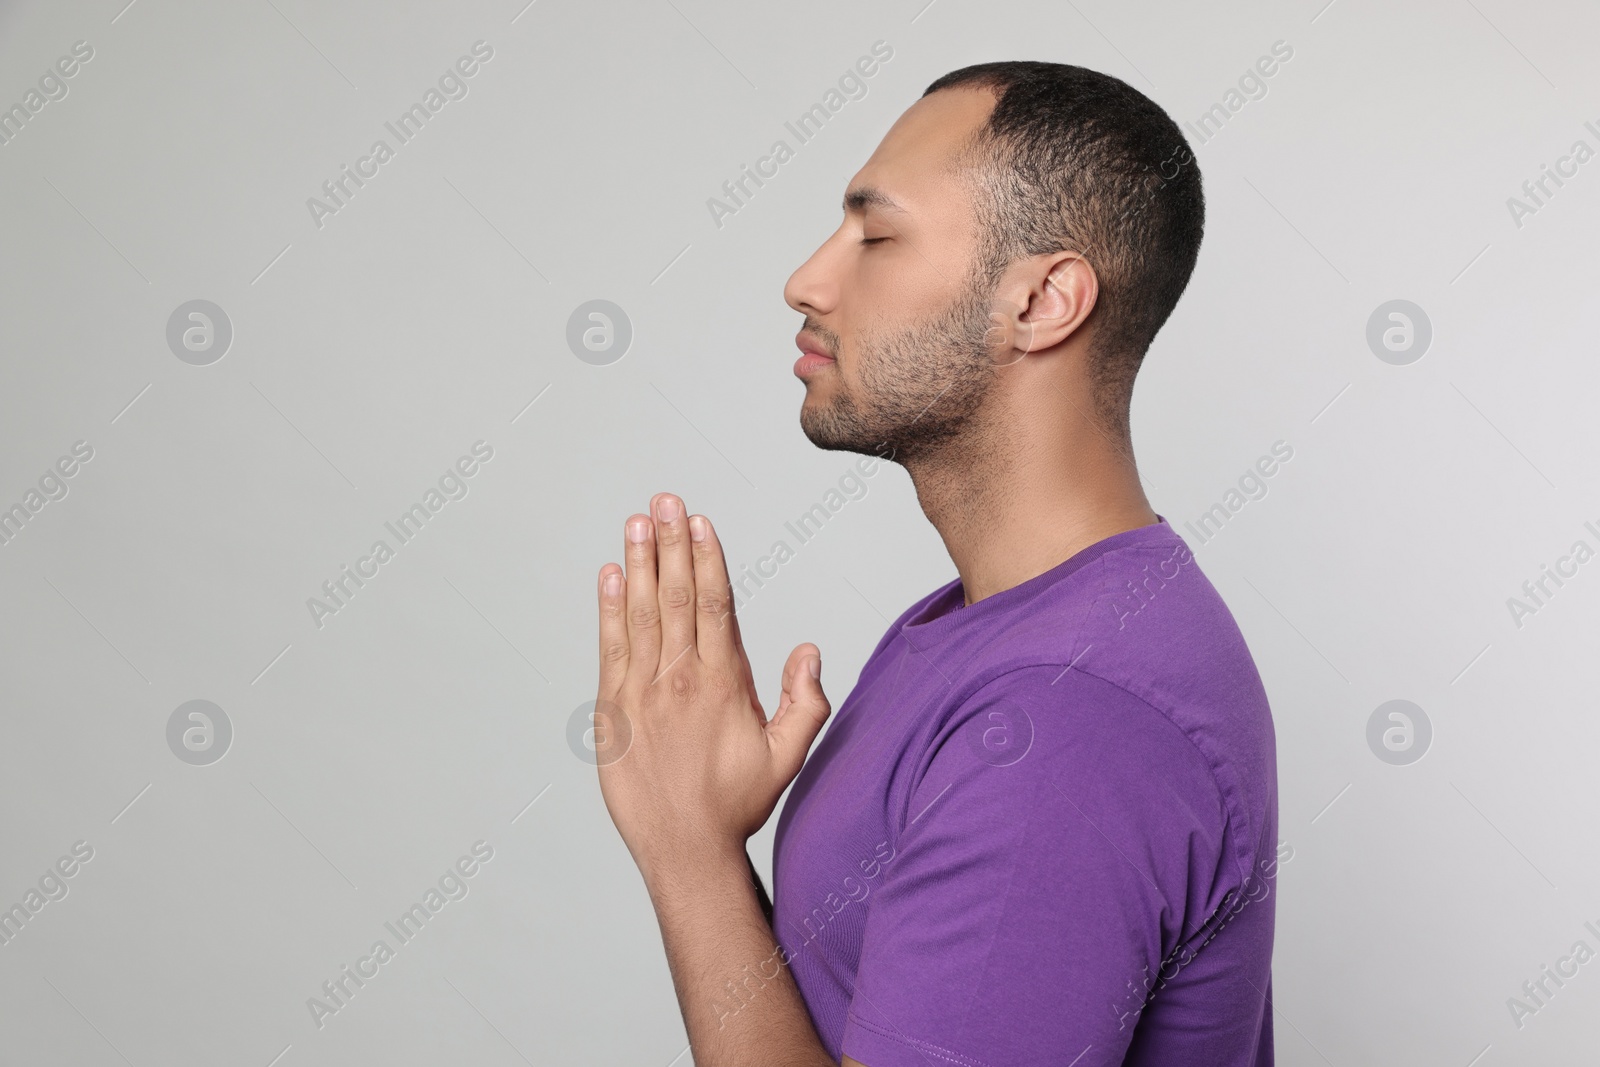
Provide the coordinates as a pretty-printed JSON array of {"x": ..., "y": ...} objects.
[{"x": 867, "y": 196}]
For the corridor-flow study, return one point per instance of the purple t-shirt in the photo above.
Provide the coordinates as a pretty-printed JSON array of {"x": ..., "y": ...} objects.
[{"x": 1042, "y": 829}]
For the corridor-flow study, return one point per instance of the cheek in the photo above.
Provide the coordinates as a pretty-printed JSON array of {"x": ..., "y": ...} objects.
[{"x": 847, "y": 364}]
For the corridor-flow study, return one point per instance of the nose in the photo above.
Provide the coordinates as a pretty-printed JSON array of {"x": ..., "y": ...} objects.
[{"x": 813, "y": 288}]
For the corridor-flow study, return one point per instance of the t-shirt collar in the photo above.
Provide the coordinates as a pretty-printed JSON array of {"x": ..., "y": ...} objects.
[{"x": 946, "y": 610}]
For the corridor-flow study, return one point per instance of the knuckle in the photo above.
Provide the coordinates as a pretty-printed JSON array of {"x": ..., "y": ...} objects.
[
  {"x": 614, "y": 652},
  {"x": 713, "y": 603},
  {"x": 683, "y": 685},
  {"x": 644, "y": 616},
  {"x": 676, "y": 596}
]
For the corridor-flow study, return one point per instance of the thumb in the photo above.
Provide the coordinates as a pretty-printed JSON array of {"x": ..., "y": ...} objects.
[{"x": 801, "y": 712}]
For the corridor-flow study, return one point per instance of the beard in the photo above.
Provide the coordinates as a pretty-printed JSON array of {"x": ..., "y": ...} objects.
[{"x": 920, "y": 388}]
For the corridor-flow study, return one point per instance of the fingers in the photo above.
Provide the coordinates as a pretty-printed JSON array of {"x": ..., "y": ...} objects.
[
  {"x": 796, "y": 671},
  {"x": 801, "y": 713},
  {"x": 613, "y": 630},
  {"x": 791, "y": 677},
  {"x": 715, "y": 636},
  {"x": 674, "y": 577},
  {"x": 643, "y": 610}
]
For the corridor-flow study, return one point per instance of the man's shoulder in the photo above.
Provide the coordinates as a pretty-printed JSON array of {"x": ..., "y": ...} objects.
[
  {"x": 1144, "y": 617},
  {"x": 1138, "y": 669},
  {"x": 1074, "y": 724},
  {"x": 1160, "y": 654}
]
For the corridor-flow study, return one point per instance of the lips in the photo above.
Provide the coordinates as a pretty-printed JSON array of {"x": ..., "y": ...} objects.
[
  {"x": 812, "y": 357},
  {"x": 810, "y": 363}
]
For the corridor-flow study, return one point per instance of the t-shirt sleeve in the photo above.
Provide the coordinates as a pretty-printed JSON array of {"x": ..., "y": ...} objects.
[{"x": 1054, "y": 850}]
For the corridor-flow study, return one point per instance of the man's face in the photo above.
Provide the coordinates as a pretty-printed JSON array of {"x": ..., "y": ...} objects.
[{"x": 895, "y": 309}]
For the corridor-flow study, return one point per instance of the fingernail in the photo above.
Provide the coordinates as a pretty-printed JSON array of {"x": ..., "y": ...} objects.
[
  {"x": 638, "y": 531},
  {"x": 668, "y": 509},
  {"x": 814, "y": 665},
  {"x": 697, "y": 528},
  {"x": 613, "y": 584}
]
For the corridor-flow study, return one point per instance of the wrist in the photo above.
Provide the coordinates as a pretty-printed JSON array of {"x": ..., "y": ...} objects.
[{"x": 694, "y": 869}]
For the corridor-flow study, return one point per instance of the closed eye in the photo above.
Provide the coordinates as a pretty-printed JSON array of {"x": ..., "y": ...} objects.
[{"x": 872, "y": 240}]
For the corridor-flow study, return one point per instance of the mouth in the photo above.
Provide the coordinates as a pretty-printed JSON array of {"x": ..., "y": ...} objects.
[
  {"x": 810, "y": 363},
  {"x": 812, "y": 357}
]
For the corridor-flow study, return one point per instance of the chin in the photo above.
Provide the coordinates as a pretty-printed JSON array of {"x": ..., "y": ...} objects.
[
  {"x": 817, "y": 408},
  {"x": 817, "y": 427},
  {"x": 827, "y": 434}
]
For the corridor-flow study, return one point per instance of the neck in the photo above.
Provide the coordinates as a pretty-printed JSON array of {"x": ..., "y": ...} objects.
[{"x": 1012, "y": 505}]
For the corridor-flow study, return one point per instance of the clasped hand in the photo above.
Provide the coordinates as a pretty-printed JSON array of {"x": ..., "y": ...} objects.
[{"x": 689, "y": 765}]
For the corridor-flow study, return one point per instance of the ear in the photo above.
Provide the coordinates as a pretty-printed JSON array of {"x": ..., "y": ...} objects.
[{"x": 1047, "y": 299}]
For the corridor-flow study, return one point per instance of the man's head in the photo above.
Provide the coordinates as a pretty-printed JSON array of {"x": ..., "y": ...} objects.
[{"x": 1017, "y": 211}]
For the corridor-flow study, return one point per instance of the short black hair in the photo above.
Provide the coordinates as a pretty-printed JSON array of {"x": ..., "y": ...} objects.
[{"x": 1075, "y": 159}]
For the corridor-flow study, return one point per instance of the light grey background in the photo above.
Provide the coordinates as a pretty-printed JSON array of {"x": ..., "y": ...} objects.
[{"x": 368, "y": 354}]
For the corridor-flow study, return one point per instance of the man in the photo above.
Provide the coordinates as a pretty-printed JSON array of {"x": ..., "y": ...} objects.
[{"x": 1042, "y": 829}]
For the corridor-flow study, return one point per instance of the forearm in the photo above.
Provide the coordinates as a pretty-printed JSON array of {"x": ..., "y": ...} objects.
[{"x": 740, "y": 1004}]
